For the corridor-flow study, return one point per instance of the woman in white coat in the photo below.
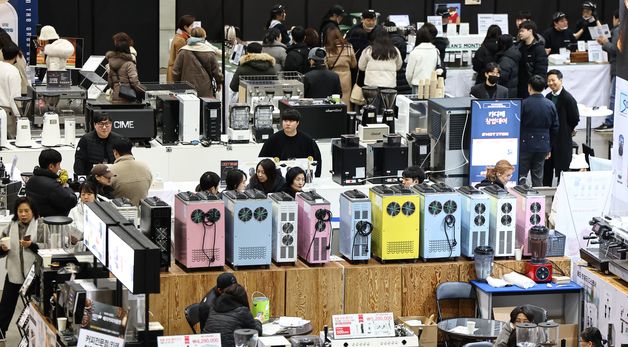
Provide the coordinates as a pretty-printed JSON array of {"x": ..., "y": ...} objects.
[
  {"x": 88, "y": 193},
  {"x": 26, "y": 236},
  {"x": 423, "y": 59},
  {"x": 380, "y": 62}
]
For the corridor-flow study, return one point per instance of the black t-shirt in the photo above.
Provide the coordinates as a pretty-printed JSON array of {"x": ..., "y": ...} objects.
[
  {"x": 555, "y": 40},
  {"x": 582, "y": 24},
  {"x": 292, "y": 147}
]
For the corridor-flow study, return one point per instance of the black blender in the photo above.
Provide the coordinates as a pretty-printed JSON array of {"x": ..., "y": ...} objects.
[
  {"x": 388, "y": 100},
  {"x": 539, "y": 269}
]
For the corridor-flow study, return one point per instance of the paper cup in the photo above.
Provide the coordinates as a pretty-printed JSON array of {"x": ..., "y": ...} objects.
[
  {"x": 46, "y": 260},
  {"x": 518, "y": 254},
  {"x": 470, "y": 328},
  {"x": 61, "y": 323},
  {"x": 6, "y": 241}
]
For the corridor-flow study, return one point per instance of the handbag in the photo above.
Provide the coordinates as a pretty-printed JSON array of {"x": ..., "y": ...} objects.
[
  {"x": 126, "y": 91},
  {"x": 357, "y": 97},
  {"x": 212, "y": 81}
]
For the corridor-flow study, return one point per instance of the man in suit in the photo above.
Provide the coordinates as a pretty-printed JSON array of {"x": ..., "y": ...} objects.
[
  {"x": 490, "y": 89},
  {"x": 568, "y": 118}
]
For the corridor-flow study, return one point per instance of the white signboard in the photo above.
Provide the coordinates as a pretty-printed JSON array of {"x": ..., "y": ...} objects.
[
  {"x": 619, "y": 154},
  {"x": 438, "y": 23},
  {"x": 601, "y": 30},
  {"x": 89, "y": 338},
  {"x": 350, "y": 326},
  {"x": 485, "y": 20},
  {"x": 202, "y": 340}
]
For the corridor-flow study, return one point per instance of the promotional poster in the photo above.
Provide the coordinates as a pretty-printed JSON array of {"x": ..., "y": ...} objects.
[
  {"x": 618, "y": 155},
  {"x": 19, "y": 19}
]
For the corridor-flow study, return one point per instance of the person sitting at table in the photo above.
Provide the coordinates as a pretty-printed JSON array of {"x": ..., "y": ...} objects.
[
  {"x": 592, "y": 337},
  {"x": 230, "y": 312},
  {"x": 88, "y": 192},
  {"x": 208, "y": 183},
  {"x": 295, "y": 181},
  {"x": 100, "y": 177},
  {"x": 266, "y": 177},
  {"x": 236, "y": 180},
  {"x": 490, "y": 89},
  {"x": 412, "y": 175},
  {"x": 498, "y": 175},
  {"x": 223, "y": 281},
  {"x": 507, "y": 336}
]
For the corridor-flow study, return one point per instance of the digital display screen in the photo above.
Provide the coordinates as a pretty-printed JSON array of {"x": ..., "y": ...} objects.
[
  {"x": 95, "y": 235},
  {"x": 121, "y": 260}
]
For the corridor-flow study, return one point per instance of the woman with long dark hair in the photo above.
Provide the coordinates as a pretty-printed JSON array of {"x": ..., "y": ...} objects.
[
  {"x": 380, "y": 62},
  {"x": 423, "y": 59},
  {"x": 507, "y": 336},
  {"x": 340, "y": 59},
  {"x": 486, "y": 53},
  {"x": 266, "y": 177}
]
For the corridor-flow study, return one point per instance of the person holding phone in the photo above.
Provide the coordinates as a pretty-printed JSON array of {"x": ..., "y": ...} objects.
[{"x": 21, "y": 240}]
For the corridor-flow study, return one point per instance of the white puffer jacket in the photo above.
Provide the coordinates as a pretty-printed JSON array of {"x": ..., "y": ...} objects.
[
  {"x": 422, "y": 62},
  {"x": 57, "y": 54},
  {"x": 379, "y": 73}
]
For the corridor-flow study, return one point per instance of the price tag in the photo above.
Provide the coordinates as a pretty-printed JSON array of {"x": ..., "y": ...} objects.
[
  {"x": 350, "y": 326},
  {"x": 89, "y": 338},
  {"x": 202, "y": 340}
]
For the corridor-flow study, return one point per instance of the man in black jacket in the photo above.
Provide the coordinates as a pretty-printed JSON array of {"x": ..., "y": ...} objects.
[
  {"x": 539, "y": 128},
  {"x": 45, "y": 188},
  {"x": 320, "y": 82},
  {"x": 334, "y": 17},
  {"x": 296, "y": 54},
  {"x": 95, "y": 146},
  {"x": 559, "y": 35},
  {"x": 290, "y": 143},
  {"x": 362, "y": 34},
  {"x": 223, "y": 281},
  {"x": 568, "y": 118},
  {"x": 533, "y": 57}
]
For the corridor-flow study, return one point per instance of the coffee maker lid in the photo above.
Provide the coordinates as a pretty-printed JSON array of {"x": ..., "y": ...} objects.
[
  {"x": 311, "y": 196},
  {"x": 495, "y": 190},
  {"x": 400, "y": 189},
  {"x": 469, "y": 190},
  {"x": 281, "y": 196},
  {"x": 382, "y": 189},
  {"x": 154, "y": 201},
  {"x": 484, "y": 250},
  {"x": 424, "y": 188},
  {"x": 57, "y": 220},
  {"x": 442, "y": 188},
  {"x": 188, "y": 196},
  {"x": 355, "y": 194},
  {"x": 255, "y": 194}
]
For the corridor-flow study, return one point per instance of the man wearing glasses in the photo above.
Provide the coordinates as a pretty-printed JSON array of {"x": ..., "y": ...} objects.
[{"x": 95, "y": 147}]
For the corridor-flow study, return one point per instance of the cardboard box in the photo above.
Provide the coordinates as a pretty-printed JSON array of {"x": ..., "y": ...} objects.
[{"x": 428, "y": 333}]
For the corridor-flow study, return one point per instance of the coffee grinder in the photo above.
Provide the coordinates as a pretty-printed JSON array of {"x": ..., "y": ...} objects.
[
  {"x": 263, "y": 122},
  {"x": 539, "y": 269},
  {"x": 369, "y": 130},
  {"x": 51, "y": 131},
  {"x": 388, "y": 100},
  {"x": 23, "y": 138},
  {"x": 239, "y": 130}
]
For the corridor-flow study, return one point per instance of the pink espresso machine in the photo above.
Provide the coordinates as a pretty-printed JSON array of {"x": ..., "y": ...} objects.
[
  {"x": 314, "y": 244},
  {"x": 199, "y": 230},
  {"x": 530, "y": 213}
]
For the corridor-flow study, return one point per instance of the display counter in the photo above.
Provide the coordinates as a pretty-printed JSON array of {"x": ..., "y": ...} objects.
[{"x": 318, "y": 292}]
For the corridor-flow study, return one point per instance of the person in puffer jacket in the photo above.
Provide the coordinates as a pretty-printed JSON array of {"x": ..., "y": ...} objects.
[
  {"x": 380, "y": 63},
  {"x": 508, "y": 57},
  {"x": 229, "y": 313},
  {"x": 57, "y": 54},
  {"x": 402, "y": 45},
  {"x": 254, "y": 62}
]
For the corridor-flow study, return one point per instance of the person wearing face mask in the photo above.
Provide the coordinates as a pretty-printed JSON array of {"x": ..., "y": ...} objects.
[
  {"x": 10, "y": 87},
  {"x": 490, "y": 89},
  {"x": 295, "y": 181},
  {"x": 364, "y": 33},
  {"x": 559, "y": 35},
  {"x": 587, "y": 21},
  {"x": 52, "y": 197},
  {"x": 568, "y": 118}
]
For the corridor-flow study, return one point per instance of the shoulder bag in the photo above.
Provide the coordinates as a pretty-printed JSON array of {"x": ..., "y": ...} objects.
[
  {"x": 212, "y": 81},
  {"x": 357, "y": 97},
  {"x": 126, "y": 91}
]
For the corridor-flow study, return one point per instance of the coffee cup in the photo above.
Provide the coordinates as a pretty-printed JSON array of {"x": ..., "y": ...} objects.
[
  {"x": 62, "y": 323},
  {"x": 470, "y": 328},
  {"x": 6, "y": 241},
  {"x": 518, "y": 254}
]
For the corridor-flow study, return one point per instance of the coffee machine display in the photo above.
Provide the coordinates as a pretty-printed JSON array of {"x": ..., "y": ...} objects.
[
  {"x": 248, "y": 228},
  {"x": 502, "y": 217},
  {"x": 51, "y": 130},
  {"x": 440, "y": 221},
  {"x": 68, "y": 102},
  {"x": 395, "y": 222},
  {"x": 539, "y": 269},
  {"x": 605, "y": 243},
  {"x": 530, "y": 213},
  {"x": 475, "y": 219},
  {"x": 189, "y": 118},
  {"x": 239, "y": 130},
  {"x": 199, "y": 230},
  {"x": 385, "y": 161},
  {"x": 211, "y": 119},
  {"x": 285, "y": 223},
  {"x": 314, "y": 228},
  {"x": 388, "y": 101},
  {"x": 348, "y": 160},
  {"x": 370, "y": 130},
  {"x": 155, "y": 224},
  {"x": 168, "y": 110},
  {"x": 263, "y": 122},
  {"x": 355, "y": 225}
]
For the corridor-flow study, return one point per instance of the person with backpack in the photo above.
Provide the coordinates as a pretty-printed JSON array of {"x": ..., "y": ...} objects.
[{"x": 196, "y": 63}]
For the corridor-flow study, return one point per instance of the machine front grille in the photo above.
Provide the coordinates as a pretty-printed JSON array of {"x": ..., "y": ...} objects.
[
  {"x": 198, "y": 256},
  {"x": 252, "y": 252},
  {"x": 287, "y": 252},
  {"x": 316, "y": 249},
  {"x": 401, "y": 247},
  {"x": 323, "y": 248},
  {"x": 435, "y": 125},
  {"x": 438, "y": 246},
  {"x": 456, "y": 128}
]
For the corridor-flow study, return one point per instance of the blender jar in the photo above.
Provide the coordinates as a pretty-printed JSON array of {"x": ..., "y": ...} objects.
[
  {"x": 56, "y": 232},
  {"x": 526, "y": 335},
  {"x": 483, "y": 258},
  {"x": 537, "y": 243},
  {"x": 548, "y": 334},
  {"x": 245, "y": 338}
]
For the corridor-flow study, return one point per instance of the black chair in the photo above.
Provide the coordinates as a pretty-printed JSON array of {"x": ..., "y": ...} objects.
[
  {"x": 455, "y": 291},
  {"x": 191, "y": 315},
  {"x": 539, "y": 314}
]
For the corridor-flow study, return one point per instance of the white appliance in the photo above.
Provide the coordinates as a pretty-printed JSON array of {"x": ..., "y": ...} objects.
[
  {"x": 23, "y": 134},
  {"x": 475, "y": 219},
  {"x": 3, "y": 129},
  {"x": 273, "y": 341},
  {"x": 189, "y": 118},
  {"x": 503, "y": 217},
  {"x": 285, "y": 222},
  {"x": 372, "y": 133},
  {"x": 51, "y": 131},
  {"x": 239, "y": 130},
  {"x": 69, "y": 130}
]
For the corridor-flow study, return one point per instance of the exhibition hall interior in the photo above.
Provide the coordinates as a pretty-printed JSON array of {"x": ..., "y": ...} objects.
[{"x": 313, "y": 173}]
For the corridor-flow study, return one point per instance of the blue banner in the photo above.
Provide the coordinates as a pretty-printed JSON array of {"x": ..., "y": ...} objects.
[
  {"x": 495, "y": 128},
  {"x": 24, "y": 25}
]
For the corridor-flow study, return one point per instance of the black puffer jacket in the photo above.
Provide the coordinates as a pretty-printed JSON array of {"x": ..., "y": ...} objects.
[
  {"x": 508, "y": 61},
  {"x": 253, "y": 64},
  {"x": 50, "y": 197},
  {"x": 92, "y": 150},
  {"x": 402, "y": 45},
  {"x": 533, "y": 62},
  {"x": 226, "y": 316},
  {"x": 441, "y": 43},
  {"x": 484, "y": 55},
  {"x": 296, "y": 58}
]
